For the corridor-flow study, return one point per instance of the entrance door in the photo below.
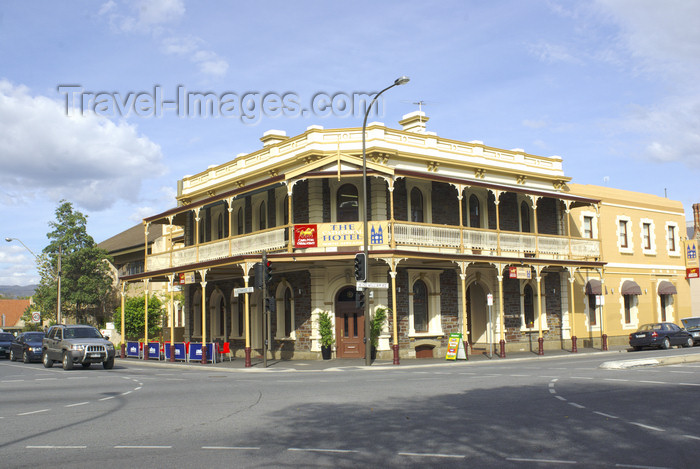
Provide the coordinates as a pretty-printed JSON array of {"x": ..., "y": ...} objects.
[
  {"x": 349, "y": 326},
  {"x": 477, "y": 314}
]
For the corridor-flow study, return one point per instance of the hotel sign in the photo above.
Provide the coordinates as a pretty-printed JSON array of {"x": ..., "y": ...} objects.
[
  {"x": 325, "y": 235},
  {"x": 523, "y": 273},
  {"x": 691, "y": 259}
]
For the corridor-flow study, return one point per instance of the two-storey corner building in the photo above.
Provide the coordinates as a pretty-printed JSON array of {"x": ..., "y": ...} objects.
[{"x": 494, "y": 244}]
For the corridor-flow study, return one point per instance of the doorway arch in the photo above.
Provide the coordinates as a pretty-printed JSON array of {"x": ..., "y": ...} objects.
[{"x": 349, "y": 325}]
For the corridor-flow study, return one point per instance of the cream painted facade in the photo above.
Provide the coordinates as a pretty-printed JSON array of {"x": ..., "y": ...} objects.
[{"x": 452, "y": 222}]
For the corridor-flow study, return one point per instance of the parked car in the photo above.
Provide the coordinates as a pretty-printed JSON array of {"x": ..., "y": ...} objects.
[
  {"x": 692, "y": 325},
  {"x": 660, "y": 334},
  {"x": 5, "y": 340},
  {"x": 71, "y": 344},
  {"x": 27, "y": 347}
]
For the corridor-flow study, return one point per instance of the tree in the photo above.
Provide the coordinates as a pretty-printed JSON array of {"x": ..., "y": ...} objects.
[
  {"x": 135, "y": 319},
  {"x": 27, "y": 318},
  {"x": 87, "y": 292}
]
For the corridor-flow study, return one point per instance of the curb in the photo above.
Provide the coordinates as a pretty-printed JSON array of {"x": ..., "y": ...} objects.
[{"x": 625, "y": 364}]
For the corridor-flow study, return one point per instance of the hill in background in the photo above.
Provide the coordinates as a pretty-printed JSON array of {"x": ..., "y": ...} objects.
[{"x": 17, "y": 291}]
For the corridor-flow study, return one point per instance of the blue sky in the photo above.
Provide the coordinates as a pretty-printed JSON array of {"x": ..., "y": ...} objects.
[{"x": 608, "y": 85}]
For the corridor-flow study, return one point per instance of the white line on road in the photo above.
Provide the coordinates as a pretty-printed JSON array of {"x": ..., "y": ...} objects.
[
  {"x": 605, "y": 415},
  {"x": 689, "y": 384},
  {"x": 56, "y": 447},
  {"x": 324, "y": 450},
  {"x": 106, "y": 398},
  {"x": 648, "y": 427},
  {"x": 578, "y": 406},
  {"x": 552, "y": 391},
  {"x": 561, "y": 398},
  {"x": 34, "y": 412},
  {"x": 616, "y": 379},
  {"x": 434, "y": 455},
  {"x": 137, "y": 388},
  {"x": 550, "y": 461},
  {"x": 692, "y": 437},
  {"x": 241, "y": 448},
  {"x": 652, "y": 382},
  {"x": 141, "y": 447},
  {"x": 126, "y": 392},
  {"x": 77, "y": 404},
  {"x": 46, "y": 379},
  {"x": 641, "y": 467},
  {"x": 581, "y": 377}
]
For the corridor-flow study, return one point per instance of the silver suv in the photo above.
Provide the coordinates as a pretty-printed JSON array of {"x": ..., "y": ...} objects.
[{"x": 71, "y": 344}]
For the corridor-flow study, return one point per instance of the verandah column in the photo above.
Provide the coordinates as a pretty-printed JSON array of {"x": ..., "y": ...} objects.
[
  {"x": 572, "y": 316},
  {"x": 203, "y": 283},
  {"x": 540, "y": 338},
  {"x": 145, "y": 314},
  {"x": 465, "y": 323},
  {"x": 171, "y": 314},
  {"x": 501, "y": 309},
  {"x": 246, "y": 278},
  {"x": 123, "y": 328}
]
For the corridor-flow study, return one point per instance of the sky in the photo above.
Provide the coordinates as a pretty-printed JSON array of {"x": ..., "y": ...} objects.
[{"x": 90, "y": 109}]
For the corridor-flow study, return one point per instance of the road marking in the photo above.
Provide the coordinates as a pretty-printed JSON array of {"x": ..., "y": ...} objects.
[
  {"x": 434, "y": 455},
  {"x": 56, "y": 447},
  {"x": 641, "y": 467},
  {"x": 77, "y": 404},
  {"x": 323, "y": 450},
  {"x": 552, "y": 391},
  {"x": 692, "y": 437},
  {"x": 142, "y": 447},
  {"x": 616, "y": 379},
  {"x": 550, "y": 461},
  {"x": 652, "y": 382},
  {"x": 106, "y": 398},
  {"x": 605, "y": 415},
  {"x": 46, "y": 379},
  {"x": 242, "y": 448},
  {"x": 648, "y": 427},
  {"x": 12, "y": 381},
  {"x": 34, "y": 412},
  {"x": 581, "y": 377},
  {"x": 689, "y": 384},
  {"x": 561, "y": 398},
  {"x": 137, "y": 388},
  {"x": 578, "y": 406},
  {"x": 514, "y": 376},
  {"x": 126, "y": 392}
]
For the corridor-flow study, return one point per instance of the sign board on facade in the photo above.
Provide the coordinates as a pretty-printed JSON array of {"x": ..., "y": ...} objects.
[
  {"x": 692, "y": 268},
  {"x": 186, "y": 278},
  {"x": 522, "y": 273},
  {"x": 692, "y": 272},
  {"x": 305, "y": 236},
  {"x": 325, "y": 235}
]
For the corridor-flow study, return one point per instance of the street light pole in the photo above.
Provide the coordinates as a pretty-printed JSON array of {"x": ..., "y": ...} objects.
[
  {"x": 57, "y": 274},
  {"x": 368, "y": 346}
]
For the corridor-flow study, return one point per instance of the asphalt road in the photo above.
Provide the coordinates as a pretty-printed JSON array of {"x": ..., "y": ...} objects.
[{"x": 535, "y": 413}]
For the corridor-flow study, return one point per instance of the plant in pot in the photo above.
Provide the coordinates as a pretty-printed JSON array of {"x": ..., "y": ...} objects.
[
  {"x": 375, "y": 327},
  {"x": 325, "y": 329}
]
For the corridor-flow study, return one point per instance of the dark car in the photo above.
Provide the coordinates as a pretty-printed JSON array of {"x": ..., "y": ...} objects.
[
  {"x": 660, "y": 334},
  {"x": 692, "y": 325},
  {"x": 27, "y": 347},
  {"x": 5, "y": 340}
]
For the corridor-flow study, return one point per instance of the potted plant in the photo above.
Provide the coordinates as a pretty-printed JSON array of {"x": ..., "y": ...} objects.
[
  {"x": 325, "y": 329},
  {"x": 375, "y": 328}
]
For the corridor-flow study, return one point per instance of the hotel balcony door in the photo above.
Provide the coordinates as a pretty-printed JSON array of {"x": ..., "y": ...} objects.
[{"x": 349, "y": 326}]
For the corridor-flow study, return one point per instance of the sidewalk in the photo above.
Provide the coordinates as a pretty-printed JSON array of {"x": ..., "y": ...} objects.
[{"x": 344, "y": 364}]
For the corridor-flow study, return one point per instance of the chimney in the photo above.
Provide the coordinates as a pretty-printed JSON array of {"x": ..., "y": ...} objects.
[
  {"x": 696, "y": 220},
  {"x": 414, "y": 122},
  {"x": 273, "y": 136}
]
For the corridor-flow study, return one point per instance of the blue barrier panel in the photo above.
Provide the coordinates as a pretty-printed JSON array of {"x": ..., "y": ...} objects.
[
  {"x": 179, "y": 352},
  {"x": 132, "y": 349},
  {"x": 196, "y": 352},
  {"x": 154, "y": 350}
]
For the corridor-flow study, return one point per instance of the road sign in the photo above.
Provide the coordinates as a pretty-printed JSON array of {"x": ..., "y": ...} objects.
[
  {"x": 238, "y": 291},
  {"x": 36, "y": 316},
  {"x": 378, "y": 285},
  {"x": 489, "y": 299}
]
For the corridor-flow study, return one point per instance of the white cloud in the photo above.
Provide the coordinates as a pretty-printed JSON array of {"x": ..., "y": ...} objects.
[{"x": 86, "y": 159}]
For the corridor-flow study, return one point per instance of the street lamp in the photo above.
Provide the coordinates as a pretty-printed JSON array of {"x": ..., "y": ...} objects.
[
  {"x": 368, "y": 346},
  {"x": 57, "y": 275}
]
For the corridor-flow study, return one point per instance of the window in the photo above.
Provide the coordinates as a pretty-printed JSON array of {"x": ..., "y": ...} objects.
[
  {"x": 240, "y": 227},
  {"x": 588, "y": 227},
  {"x": 528, "y": 307},
  {"x": 420, "y": 306},
  {"x": 524, "y": 218},
  {"x": 220, "y": 226},
  {"x": 474, "y": 212},
  {"x": 592, "y": 310},
  {"x": 285, "y": 210},
  {"x": 622, "y": 233},
  {"x": 417, "y": 206},
  {"x": 288, "y": 312},
  {"x": 347, "y": 203},
  {"x": 628, "y": 308},
  {"x": 263, "y": 216},
  {"x": 671, "y": 238},
  {"x": 646, "y": 235},
  {"x": 665, "y": 303}
]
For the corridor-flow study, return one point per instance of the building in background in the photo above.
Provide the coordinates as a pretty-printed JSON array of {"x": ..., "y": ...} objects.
[{"x": 495, "y": 244}]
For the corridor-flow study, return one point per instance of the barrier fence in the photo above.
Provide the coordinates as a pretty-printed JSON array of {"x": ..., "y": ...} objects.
[{"x": 184, "y": 351}]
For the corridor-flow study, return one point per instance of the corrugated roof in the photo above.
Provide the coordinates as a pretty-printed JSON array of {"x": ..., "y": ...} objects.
[{"x": 131, "y": 238}]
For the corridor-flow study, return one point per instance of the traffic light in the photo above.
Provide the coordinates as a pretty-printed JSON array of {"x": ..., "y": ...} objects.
[
  {"x": 270, "y": 304},
  {"x": 359, "y": 300},
  {"x": 268, "y": 272},
  {"x": 360, "y": 267},
  {"x": 258, "y": 275}
]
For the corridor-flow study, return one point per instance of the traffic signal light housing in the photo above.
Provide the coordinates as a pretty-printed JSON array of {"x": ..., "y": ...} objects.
[
  {"x": 359, "y": 299},
  {"x": 268, "y": 272},
  {"x": 258, "y": 275},
  {"x": 360, "y": 267}
]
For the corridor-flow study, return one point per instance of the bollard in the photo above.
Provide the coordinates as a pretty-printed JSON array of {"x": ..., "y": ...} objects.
[
  {"x": 204, "y": 354},
  {"x": 502, "y": 354},
  {"x": 172, "y": 352},
  {"x": 396, "y": 354},
  {"x": 247, "y": 357},
  {"x": 605, "y": 342},
  {"x": 123, "y": 354},
  {"x": 540, "y": 349},
  {"x": 145, "y": 351},
  {"x": 574, "y": 349}
]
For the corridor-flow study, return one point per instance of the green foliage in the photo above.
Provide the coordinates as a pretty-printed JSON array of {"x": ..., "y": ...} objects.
[
  {"x": 325, "y": 329},
  {"x": 134, "y": 316},
  {"x": 375, "y": 325},
  {"x": 87, "y": 292}
]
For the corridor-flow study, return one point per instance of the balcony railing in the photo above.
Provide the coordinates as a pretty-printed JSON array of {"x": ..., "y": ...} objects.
[{"x": 416, "y": 236}]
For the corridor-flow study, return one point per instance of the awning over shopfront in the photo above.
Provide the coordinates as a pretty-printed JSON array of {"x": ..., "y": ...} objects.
[
  {"x": 667, "y": 288},
  {"x": 630, "y": 287},
  {"x": 593, "y": 287}
]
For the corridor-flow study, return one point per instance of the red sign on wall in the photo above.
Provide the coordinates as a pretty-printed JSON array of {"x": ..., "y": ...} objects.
[
  {"x": 692, "y": 272},
  {"x": 305, "y": 236}
]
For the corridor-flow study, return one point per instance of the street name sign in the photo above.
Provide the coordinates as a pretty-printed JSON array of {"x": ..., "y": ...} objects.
[{"x": 378, "y": 285}]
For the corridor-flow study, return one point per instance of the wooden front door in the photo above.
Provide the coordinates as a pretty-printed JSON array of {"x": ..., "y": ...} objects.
[{"x": 349, "y": 326}]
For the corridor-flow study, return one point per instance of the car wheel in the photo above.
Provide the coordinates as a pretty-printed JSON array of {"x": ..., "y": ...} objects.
[
  {"x": 109, "y": 364},
  {"x": 666, "y": 344},
  {"x": 25, "y": 357},
  {"x": 48, "y": 363},
  {"x": 67, "y": 361},
  {"x": 12, "y": 355},
  {"x": 86, "y": 365},
  {"x": 689, "y": 342}
]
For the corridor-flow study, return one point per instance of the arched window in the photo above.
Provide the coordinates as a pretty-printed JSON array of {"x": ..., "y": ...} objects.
[
  {"x": 347, "y": 203},
  {"x": 524, "y": 218},
  {"x": 417, "y": 206},
  {"x": 528, "y": 307},
  {"x": 474, "y": 212},
  {"x": 263, "y": 216},
  {"x": 288, "y": 310},
  {"x": 240, "y": 227},
  {"x": 420, "y": 306},
  {"x": 592, "y": 310}
]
